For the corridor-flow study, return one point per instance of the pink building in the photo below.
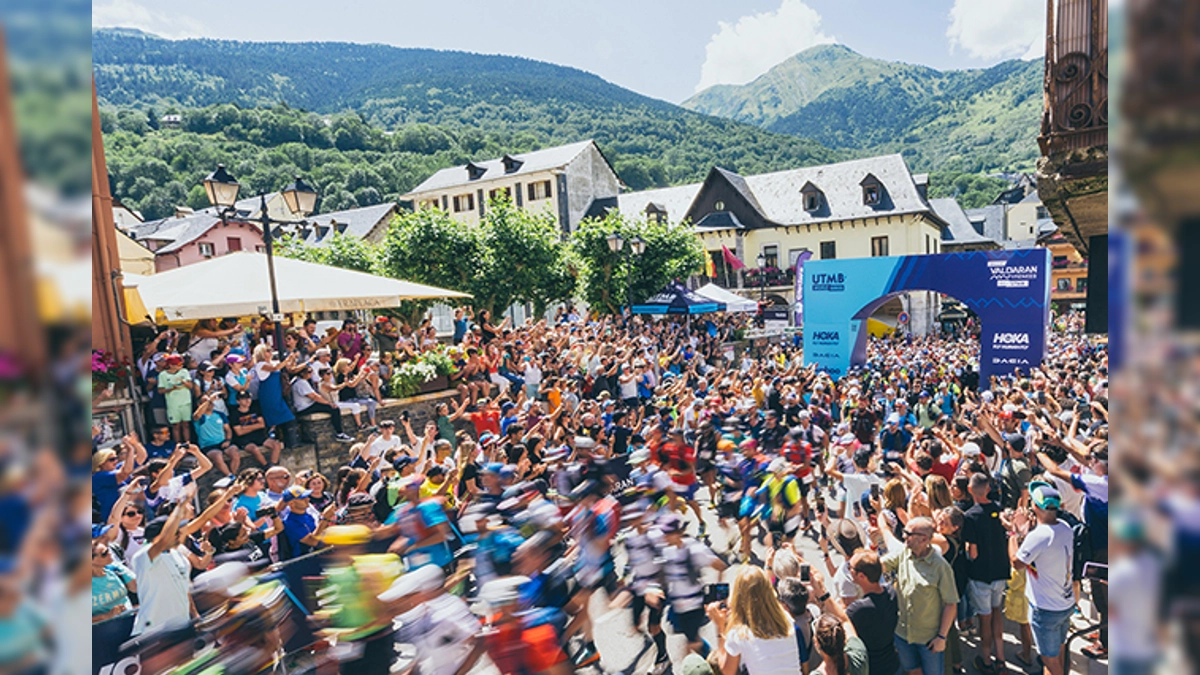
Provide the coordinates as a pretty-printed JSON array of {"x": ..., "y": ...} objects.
[{"x": 197, "y": 237}]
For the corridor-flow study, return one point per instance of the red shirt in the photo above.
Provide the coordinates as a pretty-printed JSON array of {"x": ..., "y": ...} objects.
[
  {"x": 486, "y": 420},
  {"x": 945, "y": 469},
  {"x": 681, "y": 462},
  {"x": 800, "y": 456}
]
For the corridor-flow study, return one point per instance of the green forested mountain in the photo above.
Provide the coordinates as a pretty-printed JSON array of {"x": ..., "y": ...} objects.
[
  {"x": 962, "y": 121},
  {"x": 406, "y": 112}
]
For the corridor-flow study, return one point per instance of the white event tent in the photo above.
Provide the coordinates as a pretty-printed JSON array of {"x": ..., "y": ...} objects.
[
  {"x": 237, "y": 285},
  {"x": 733, "y": 301}
]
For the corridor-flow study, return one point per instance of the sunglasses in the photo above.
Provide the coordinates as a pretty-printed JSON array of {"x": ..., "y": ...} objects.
[
  {"x": 130, "y": 514},
  {"x": 907, "y": 533}
]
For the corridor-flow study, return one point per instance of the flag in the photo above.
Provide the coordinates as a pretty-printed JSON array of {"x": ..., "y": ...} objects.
[
  {"x": 710, "y": 267},
  {"x": 731, "y": 259},
  {"x": 798, "y": 314}
]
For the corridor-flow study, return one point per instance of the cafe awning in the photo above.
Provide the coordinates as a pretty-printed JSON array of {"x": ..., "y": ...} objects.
[{"x": 238, "y": 285}]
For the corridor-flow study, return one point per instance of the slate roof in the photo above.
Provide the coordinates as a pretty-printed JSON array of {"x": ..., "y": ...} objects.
[
  {"x": 674, "y": 200},
  {"x": 359, "y": 222},
  {"x": 990, "y": 219},
  {"x": 959, "y": 231},
  {"x": 532, "y": 162},
  {"x": 778, "y": 195}
]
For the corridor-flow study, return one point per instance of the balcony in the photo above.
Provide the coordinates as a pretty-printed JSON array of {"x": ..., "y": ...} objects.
[
  {"x": 1073, "y": 171},
  {"x": 752, "y": 278}
]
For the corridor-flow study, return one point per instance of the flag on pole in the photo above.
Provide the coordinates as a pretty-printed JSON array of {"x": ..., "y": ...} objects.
[
  {"x": 731, "y": 259},
  {"x": 710, "y": 267},
  {"x": 798, "y": 314}
]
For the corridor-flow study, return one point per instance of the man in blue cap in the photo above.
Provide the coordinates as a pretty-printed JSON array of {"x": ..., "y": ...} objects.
[
  {"x": 302, "y": 528},
  {"x": 1047, "y": 552}
]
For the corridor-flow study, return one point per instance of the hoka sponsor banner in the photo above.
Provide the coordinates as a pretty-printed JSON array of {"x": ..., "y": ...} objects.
[{"x": 1008, "y": 290}]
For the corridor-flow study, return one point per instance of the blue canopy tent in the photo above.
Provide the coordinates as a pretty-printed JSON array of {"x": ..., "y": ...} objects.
[{"x": 678, "y": 299}]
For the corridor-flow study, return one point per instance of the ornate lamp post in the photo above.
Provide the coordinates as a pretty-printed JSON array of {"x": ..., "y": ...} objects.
[
  {"x": 616, "y": 243},
  {"x": 300, "y": 199}
]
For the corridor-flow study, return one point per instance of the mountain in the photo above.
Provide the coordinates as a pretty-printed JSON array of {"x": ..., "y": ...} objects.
[
  {"x": 472, "y": 106},
  {"x": 959, "y": 120}
]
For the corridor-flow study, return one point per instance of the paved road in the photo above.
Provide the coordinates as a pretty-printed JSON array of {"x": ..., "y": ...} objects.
[{"x": 623, "y": 651}]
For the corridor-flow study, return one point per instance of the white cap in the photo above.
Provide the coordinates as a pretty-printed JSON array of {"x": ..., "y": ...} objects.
[
  {"x": 421, "y": 580},
  {"x": 500, "y": 592},
  {"x": 987, "y": 396},
  {"x": 970, "y": 449},
  {"x": 776, "y": 465}
]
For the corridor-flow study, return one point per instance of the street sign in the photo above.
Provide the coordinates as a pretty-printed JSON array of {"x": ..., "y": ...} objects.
[{"x": 903, "y": 318}]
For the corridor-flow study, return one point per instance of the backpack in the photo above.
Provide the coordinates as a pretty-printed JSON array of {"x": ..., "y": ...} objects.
[{"x": 1082, "y": 536}]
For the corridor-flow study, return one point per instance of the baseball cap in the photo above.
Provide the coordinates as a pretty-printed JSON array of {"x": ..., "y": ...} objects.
[
  {"x": 295, "y": 492},
  {"x": 671, "y": 524},
  {"x": 1044, "y": 496},
  {"x": 893, "y": 419},
  {"x": 694, "y": 664},
  {"x": 501, "y": 592},
  {"x": 776, "y": 465},
  {"x": 971, "y": 449},
  {"x": 493, "y": 467}
]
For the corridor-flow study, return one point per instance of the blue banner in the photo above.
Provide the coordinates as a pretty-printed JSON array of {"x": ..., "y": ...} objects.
[{"x": 1008, "y": 290}]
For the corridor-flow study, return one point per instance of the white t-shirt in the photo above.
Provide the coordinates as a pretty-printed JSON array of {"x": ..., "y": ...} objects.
[
  {"x": 1072, "y": 499},
  {"x": 381, "y": 445},
  {"x": 778, "y": 656},
  {"x": 533, "y": 374},
  {"x": 856, "y": 484},
  {"x": 629, "y": 389},
  {"x": 1048, "y": 550},
  {"x": 843, "y": 582},
  {"x": 162, "y": 589},
  {"x": 301, "y": 388}
]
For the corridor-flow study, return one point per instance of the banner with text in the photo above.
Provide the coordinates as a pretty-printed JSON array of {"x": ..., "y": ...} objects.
[{"x": 1008, "y": 290}]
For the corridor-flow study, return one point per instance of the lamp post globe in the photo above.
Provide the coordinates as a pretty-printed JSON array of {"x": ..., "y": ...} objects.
[
  {"x": 615, "y": 242},
  {"x": 221, "y": 188},
  {"x": 301, "y": 199}
]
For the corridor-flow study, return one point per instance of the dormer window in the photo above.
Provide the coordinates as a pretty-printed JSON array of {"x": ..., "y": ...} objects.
[
  {"x": 474, "y": 171},
  {"x": 812, "y": 197},
  {"x": 656, "y": 213},
  {"x": 511, "y": 164},
  {"x": 719, "y": 206},
  {"x": 872, "y": 190},
  {"x": 340, "y": 227}
]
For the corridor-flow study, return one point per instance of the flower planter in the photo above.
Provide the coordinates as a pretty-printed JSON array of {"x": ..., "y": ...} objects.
[{"x": 439, "y": 383}]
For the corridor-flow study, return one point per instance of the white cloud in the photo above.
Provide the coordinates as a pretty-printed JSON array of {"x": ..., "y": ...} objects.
[
  {"x": 988, "y": 29},
  {"x": 129, "y": 14},
  {"x": 738, "y": 53}
]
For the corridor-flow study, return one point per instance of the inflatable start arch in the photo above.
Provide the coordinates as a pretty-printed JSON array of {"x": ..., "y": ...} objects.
[{"x": 1008, "y": 290}]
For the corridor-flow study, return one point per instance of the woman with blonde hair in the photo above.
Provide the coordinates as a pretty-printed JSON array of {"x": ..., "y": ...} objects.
[
  {"x": 938, "y": 491},
  {"x": 755, "y": 628},
  {"x": 894, "y": 514},
  {"x": 347, "y": 396}
]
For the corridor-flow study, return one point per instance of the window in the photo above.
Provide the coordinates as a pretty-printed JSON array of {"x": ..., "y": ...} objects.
[
  {"x": 812, "y": 201},
  {"x": 1081, "y": 285},
  {"x": 260, "y": 248},
  {"x": 870, "y": 195},
  {"x": 879, "y": 247},
  {"x": 828, "y": 250},
  {"x": 496, "y": 194},
  {"x": 539, "y": 190},
  {"x": 1064, "y": 284},
  {"x": 928, "y": 246},
  {"x": 233, "y": 243},
  {"x": 719, "y": 206},
  {"x": 431, "y": 204},
  {"x": 771, "y": 255},
  {"x": 464, "y": 203},
  {"x": 206, "y": 249},
  {"x": 1059, "y": 261},
  {"x": 1043, "y": 212}
]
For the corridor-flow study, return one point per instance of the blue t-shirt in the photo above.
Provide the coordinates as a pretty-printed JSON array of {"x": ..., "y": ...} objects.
[
  {"x": 21, "y": 633},
  {"x": 156, "y": 451},
  {"x": 110, "y": 591},
  {"x": 106, "y": 491},
  {"x": 253, "y": 504},
  {"x": 297, "y": 526},
  {"x": 431, "y": 515},
  {"x": 210, "y": 430}
]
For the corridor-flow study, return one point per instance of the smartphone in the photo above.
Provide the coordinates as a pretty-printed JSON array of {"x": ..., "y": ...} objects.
[
  {"x": 1095, "y": 571},
  {"x": 874, "y": 490},
  {"x": 265, "y": 511},
  {"x": 821, "y": 505},
  {"x": 805, "y": 572},
  {"x": 716, "y": 593},
  {"x": 857, "y": 510}
]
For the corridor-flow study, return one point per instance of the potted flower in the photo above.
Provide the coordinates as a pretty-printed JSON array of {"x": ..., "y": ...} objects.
[{"x": 108, "y": 370}]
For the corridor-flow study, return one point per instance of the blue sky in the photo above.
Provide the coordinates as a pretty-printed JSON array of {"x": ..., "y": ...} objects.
[{"x": 667, "y": 49}]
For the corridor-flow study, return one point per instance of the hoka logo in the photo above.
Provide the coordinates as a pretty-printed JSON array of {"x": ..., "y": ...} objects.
[{"x": 1011, "y": 339}]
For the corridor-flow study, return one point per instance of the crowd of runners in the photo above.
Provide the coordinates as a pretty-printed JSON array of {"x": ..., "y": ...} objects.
[{"x": 746, "y": 514}]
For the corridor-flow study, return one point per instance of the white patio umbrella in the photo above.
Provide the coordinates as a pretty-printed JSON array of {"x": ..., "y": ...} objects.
[
  {"x": 237, "y": 285},
  {"x": 733, "y": 301}
]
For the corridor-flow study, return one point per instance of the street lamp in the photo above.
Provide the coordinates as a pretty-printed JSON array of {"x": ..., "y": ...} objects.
[
  {"x": 637, "y": 246},
  {"x": 762, "y": 277},
  {"x": 300, "y": 199}
]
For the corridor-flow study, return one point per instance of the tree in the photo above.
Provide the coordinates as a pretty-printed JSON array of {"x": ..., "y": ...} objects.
[
  {"x": 525, "y": 259},
  {"x": 430, "y": 247},
  {"x": 672, "y": 252},
  {"x": 339, "y": 250}
]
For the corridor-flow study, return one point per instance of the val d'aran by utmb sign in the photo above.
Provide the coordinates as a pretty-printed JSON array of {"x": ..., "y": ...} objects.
[{"x": 1008, "y": 290}]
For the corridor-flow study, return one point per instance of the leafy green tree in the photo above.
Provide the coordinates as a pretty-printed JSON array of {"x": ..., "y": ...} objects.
[
  {"x": 672, "y": 252},
  {"x": 525, "y": 259},
  {"x": 339, "y": 250},
  {"x": 430, "y": 247}
]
